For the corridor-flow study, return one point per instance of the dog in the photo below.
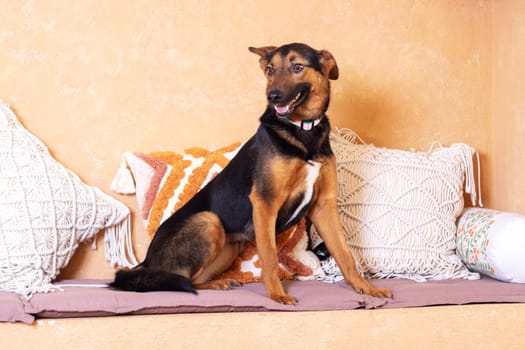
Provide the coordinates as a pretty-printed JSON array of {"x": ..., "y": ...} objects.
[{"x": 284, "y": 172}]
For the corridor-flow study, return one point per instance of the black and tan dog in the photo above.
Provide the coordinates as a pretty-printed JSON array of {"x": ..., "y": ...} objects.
[{"x": 284, "y": 172}]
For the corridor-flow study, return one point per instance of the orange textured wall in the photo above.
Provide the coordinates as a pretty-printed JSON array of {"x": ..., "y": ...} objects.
[
  {"x": 93, "y": 79},
  {"x": 509, "y": 105}
]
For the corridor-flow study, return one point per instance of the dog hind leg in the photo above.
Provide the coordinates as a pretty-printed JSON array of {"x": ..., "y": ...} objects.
[
  {"x": 203, "y": 248},
  {"x": 206, "y": 279},
  {"x": 188, "y": 258}
]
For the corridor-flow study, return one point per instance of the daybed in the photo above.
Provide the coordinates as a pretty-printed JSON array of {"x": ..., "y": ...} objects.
[
  {"x": 180, "y": 320},
  {"x": 329, "y": 315}
]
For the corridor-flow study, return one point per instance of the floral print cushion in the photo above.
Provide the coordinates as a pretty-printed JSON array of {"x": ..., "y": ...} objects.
[{"x": 492, "y": 243}]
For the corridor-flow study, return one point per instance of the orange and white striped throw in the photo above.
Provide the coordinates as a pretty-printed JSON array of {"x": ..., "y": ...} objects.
[{"x": 164, "y": 181}]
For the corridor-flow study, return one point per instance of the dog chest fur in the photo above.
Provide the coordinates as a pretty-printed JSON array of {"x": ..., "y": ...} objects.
[{"x": 312, "y": 172}]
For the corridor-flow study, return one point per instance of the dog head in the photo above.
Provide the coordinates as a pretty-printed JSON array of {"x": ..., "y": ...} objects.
[{"x": 297, "y": 75}]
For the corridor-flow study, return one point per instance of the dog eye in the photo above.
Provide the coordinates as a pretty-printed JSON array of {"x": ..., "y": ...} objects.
[
  {"x": 297, "y": 67},
  {"x": 269, "y": 69}
]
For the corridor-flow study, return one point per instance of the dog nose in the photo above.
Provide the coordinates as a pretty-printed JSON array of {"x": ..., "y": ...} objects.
[{"x": 275, "y": 96}]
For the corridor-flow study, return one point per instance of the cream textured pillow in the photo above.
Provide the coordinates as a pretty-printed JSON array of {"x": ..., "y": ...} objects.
[
  {"x": 399, "y": 208},
  {"x": 46, "y": 211},
  {"x": 493, "y": 243}
]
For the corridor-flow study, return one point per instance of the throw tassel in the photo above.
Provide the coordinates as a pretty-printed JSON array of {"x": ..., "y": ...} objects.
[
  {"x": 118, "y": 246},
  {"x": 123, "y": 181},
  {"x": 467, "y": 154},
  {"x": 479, "y": 178},
  {"x": 470, "y": 181}
]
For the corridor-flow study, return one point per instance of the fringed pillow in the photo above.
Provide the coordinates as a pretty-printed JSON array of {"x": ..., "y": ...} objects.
[
  {"x": 164, "y": 181},
  {"x": 399, "y": 208},
  {"x": 46, "y": 211}
]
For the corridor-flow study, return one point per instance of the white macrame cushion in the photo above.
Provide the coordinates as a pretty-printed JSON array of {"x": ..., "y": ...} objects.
[
  {"x": 46, "y": 211},
  {"x": 399, "y": 208}
]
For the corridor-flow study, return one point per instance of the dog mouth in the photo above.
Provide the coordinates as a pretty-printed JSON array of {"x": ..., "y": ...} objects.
[{"x": 285, "y": 110}]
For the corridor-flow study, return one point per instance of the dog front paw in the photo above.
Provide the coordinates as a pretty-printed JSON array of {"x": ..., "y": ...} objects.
[
  {"x": 363, "y": 287},
  {"x": 284, "y": 299},
  {"x": 380, "y": 293}
]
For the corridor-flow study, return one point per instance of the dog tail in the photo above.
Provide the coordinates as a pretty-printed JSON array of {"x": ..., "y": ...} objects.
[{"x": 142, "y": 279}]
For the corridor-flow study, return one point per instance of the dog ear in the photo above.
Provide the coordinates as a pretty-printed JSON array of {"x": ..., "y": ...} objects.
[
  {"x": 328, "y": 65},
  {"x": 265, "y": 52}
]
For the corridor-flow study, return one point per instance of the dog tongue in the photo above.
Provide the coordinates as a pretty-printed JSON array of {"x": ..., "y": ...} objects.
[{"x": 281, "y": 109}]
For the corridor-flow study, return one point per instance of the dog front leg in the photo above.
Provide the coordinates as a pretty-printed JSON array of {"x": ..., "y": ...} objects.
[
  {"x": 325, "y": 218},
  {"x": 264, "y": 218}
]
